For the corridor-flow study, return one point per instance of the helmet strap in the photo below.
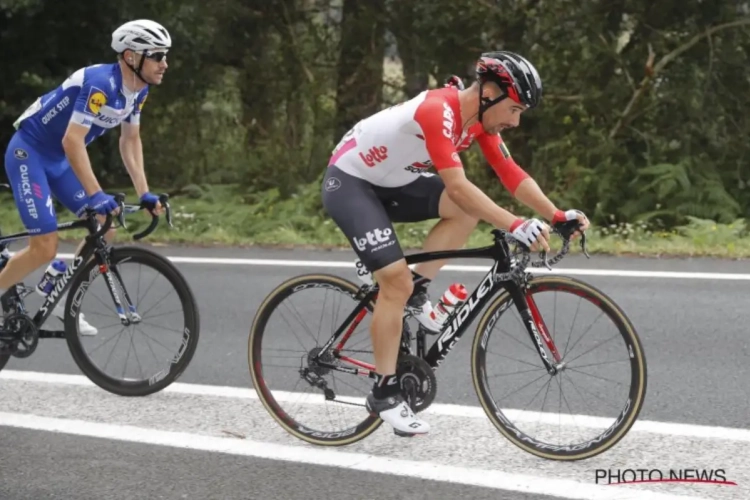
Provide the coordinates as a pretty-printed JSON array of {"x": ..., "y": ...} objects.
[
  {"x": 486, "y": 103},
  {"x": 137, "y": 71}
]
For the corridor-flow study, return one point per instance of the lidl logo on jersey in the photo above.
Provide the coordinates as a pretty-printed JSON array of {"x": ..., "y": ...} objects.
[{"x": 96, "y": 100}]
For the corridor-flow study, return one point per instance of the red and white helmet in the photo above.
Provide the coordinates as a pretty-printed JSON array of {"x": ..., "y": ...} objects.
[{"x": 514, "y": 74}]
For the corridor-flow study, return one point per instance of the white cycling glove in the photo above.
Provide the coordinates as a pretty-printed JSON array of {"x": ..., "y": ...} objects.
[{"x": 527, "y": 231}]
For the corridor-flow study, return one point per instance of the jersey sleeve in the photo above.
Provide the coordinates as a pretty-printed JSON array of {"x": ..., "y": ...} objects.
[
  {"x": 436, "y": 118},
  {"x": 92, "y": 96},
  {"x": 134, "y": 118},
  {"x": 498, "y": 156}
]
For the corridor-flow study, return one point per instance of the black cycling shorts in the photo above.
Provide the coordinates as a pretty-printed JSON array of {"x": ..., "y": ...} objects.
[{"x": 365, "y": 212}]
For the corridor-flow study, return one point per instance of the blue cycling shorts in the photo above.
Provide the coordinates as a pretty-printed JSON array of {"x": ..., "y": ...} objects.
[{"x": 35, "y": 178}]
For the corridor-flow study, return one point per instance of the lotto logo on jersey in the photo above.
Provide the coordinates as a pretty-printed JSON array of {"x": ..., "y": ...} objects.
[
  {"x": 377, "y": 239},
  {"x": 96, "y": 100},
  {"x": 374, "y": 155}
]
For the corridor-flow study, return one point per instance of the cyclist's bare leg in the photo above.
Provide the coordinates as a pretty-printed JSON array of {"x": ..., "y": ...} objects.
[
  {"x": 396, "y": 286},
  {"x": 41, "y": 250},
  {"x": 451, "y": 232},
  {"x": 385, "y": 400}
]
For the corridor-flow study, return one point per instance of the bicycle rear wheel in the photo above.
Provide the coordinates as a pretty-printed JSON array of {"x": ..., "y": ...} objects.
[
  {"x": 583, "y": 430},
  {"x": 319, "y": 405},
  {"x": 176, "y": 336}
]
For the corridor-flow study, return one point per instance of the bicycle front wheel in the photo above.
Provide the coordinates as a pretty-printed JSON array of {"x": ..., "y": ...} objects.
[
  {"x": 157, "y": 312},
  {"x": 600, "y": 363}
]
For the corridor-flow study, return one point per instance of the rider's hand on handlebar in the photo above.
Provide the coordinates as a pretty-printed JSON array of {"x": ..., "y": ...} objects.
[
  {"x": 104, "y": 203},
  {"x": 151, "y": 203},
  {"x": 561, "y": 217},
  {"x": 533, "y": 233}
]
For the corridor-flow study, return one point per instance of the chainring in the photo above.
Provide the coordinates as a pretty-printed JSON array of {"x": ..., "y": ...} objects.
[
  {"x": 417, "y": 381},
  {"x": 25, "y": 333}
]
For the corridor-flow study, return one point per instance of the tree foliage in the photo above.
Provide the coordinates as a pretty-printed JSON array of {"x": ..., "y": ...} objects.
[{"x": 643, "y": 116}]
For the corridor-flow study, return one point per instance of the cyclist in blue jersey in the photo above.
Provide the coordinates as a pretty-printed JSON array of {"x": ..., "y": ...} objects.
[{"x": 47, "y": 155}]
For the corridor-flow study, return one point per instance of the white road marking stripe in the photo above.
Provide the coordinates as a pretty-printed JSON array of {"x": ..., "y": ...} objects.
[
  {"x": 561, "y": 488},
  {"x": 622, "y": 273},
  {"x": 650, "y": 426}
]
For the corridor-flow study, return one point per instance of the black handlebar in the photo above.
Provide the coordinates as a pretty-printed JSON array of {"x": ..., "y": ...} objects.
[
  {"x": 564, "y": 229},
  {"x": 120, "y": 199}
]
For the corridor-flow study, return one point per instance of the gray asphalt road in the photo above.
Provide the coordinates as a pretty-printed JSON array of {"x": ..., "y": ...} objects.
[
  {"x": 63, "y": 467},
  {"x": 694, "y": 334}
]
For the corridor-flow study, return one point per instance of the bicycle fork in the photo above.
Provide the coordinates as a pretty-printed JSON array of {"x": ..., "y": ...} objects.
[
  {"x": 536, "y": 328},
  {"x": 132, "y": 316}
]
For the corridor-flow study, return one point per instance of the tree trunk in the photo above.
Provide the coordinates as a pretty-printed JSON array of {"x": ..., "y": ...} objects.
[{"x": 360, "y": 67}]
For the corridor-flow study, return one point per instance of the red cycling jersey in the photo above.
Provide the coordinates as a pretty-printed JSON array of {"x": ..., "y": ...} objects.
[{"x": 394, "y": 146}]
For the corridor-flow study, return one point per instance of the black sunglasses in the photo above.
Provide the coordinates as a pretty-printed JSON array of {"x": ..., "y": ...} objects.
[{"x": 155, "y": 56}]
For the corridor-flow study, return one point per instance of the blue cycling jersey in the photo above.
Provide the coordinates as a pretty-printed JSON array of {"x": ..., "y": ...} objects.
[
  {"x": 93, "y": 96},
  {"x": 35, "y": 160}
]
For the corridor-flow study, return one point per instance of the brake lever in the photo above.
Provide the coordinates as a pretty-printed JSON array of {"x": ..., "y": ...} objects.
[
  {"x": 543, "y": 255},
  {"x": 120, "y": 198},
  {"x": 583, "y": 245},
  {"x": 164, "y": 200}
]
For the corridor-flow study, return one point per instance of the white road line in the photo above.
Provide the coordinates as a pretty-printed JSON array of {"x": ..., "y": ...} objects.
[
  {"x": 561, "y": 488},
  {"x": 622, "y": 273},
  {"x": 649, "y": 426}
]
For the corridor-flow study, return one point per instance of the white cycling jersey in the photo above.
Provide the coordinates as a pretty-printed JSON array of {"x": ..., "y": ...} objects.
[{"x": 394, "y": 146}]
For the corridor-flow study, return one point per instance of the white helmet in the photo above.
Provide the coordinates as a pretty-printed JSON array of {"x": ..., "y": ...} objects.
[{"x": 140, "y": 35}]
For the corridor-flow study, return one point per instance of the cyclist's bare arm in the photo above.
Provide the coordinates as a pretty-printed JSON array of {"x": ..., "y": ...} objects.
[
  {"x": 514, "y": 178},
  {"x": 472, "y": 200},
  {"x": 74, "y": 144},
  {"x": 437, "y": 121},
  {"x": 530, "y": 194},
  {"x": 131, "y": 151}
]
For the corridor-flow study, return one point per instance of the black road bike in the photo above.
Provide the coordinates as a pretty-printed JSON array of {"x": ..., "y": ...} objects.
[
  {"x": 506, "y": 284},
  {"x": 20, "y": 333}
]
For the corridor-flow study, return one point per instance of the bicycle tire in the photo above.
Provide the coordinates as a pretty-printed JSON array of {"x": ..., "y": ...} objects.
[
  {"x": 636, "y": 394},
  {"x": 191, "y": 333},
  {"x": 255, "y": 339}
]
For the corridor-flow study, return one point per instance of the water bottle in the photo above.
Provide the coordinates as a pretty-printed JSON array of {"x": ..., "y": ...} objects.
[
  {"x": 47, "y": 283},
  {"x": 454, "y": 296}
]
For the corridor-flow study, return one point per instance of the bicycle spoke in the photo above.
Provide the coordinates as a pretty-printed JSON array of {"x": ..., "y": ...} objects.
[
  {"x": 518, "y": 360},
  {"x": 616, "y": 335},
  {"x": 594, "y": 376},
  {"x": 570, "y": 335},
  {"x": 153, "y": 305},
  {"x": 584, "y": 333},
  {"x": 513, "y": 373},
  {"x": 545, "y": 374},
  {"x": 592, "y": 394}
]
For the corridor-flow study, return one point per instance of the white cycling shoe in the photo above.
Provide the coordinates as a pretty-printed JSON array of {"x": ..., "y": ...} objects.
[
  {"x": 395, "y": 412},
  {"x": 84, "y": 328},
  {"x": 420, "y": 307}
]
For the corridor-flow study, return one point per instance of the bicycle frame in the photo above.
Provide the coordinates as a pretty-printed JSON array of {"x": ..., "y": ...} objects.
[
  {"x": 457, "y": 323},
  {"x": 94, "y": 246}
]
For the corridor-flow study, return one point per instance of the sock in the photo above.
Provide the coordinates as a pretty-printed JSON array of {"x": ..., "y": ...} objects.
[
  {"x": 420, "y": 282},
  {"x": 385, "y": 386}
]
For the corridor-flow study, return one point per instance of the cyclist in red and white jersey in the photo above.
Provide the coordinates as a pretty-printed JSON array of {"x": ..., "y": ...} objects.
[{"x": 378, "y": 174}]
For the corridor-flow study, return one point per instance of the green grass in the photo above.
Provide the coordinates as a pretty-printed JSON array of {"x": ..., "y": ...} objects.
[{"x": 227, "y": 216}]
